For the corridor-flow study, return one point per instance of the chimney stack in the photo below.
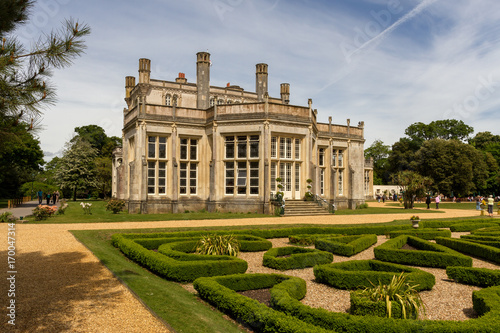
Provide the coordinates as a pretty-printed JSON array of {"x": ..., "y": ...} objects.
[
  {"x": 203, "y": 80},
  {"x": 261, "y": 81},
  {"x": 144, "y": 70},
  {"x": 181, "y": 79},
  {"x": 285, "y": 93}
]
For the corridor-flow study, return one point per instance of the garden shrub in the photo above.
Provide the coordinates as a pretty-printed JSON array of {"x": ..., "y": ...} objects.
[
  {"x": 479, "y": 250},
  {"x": 298, "y": 258},
  {"x": 428, "y": 254},
  {"x": 308, "y": 239},
  {"x": 187, "y": 268},
  {"x": 7, "y": 217},
  {"x": 357, "y": 274},
  {"x": 448, "y": 224},
  {"x": 464, "y": 227},
  {"x": 43, "y": 212},
  {"x": 481, "y": 277},
  {"x": 486, "y": 240},
  {"x": 345, "y": 245},
  {"x": 115, "y": 205},
  {"x": 213, "y": 244},
  {"x": 218, "y": 292},
  {"x": 397, "y": 299},
  {"x": 421, "y": 233},
  {"x": 491, "y": 231}
]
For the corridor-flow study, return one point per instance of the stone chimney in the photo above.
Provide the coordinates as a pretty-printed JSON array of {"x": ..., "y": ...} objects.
[{"x": 261, "y": 81}]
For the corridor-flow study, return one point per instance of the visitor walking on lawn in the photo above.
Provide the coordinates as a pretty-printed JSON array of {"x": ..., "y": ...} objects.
[
  {"x": 428, "y": 201},
  {"x": 491, "y": 202},
  {"x": 40, "y": 196},
  {"x": 437, "y": 201}
]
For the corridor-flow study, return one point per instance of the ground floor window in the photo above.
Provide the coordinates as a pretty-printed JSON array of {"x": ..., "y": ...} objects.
[
  {"x": 188, "y": 178},
  {"x": 242, "y": 177},
  {"x": 157, "y": 177},
  {"x": 322, "y": 181},
  {"x": 341, "y": 182}
]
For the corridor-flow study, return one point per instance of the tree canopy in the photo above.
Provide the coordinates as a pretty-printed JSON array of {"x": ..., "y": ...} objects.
[
  {"x": 379, "y": 153},
  {"x": 440, "y": 129},
  {"x": 412, "y": 185}
]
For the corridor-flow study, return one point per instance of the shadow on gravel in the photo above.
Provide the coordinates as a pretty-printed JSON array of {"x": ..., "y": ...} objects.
[{"x": 50, "y": 295}]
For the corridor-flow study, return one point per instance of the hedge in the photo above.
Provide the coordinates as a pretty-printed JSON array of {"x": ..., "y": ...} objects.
[
  {"x": 178, "y": 270},
  {"x": 221, "y": 293},
  {"x": 289, "y": 315},
  {"x": 362, "y": 306},
  {"x": 486, "y": 240},
  {"x": 491, "y": 231},
  {"x": 422, "y": 233},
  {"x": 345, "y": 245},
  {"x": 481, "y": 277},
  {"x": 486, "y": 302},
  {"x": 298, "y": 258},
  {"x": 428, "y": 255},
  {"x": 357, "y": 274},
  {"x": 308, "y": 239},
  {"x": 448, "y": 224},
  {"x": 464, "y": 227},
  {"x": 479, "y": 250}
]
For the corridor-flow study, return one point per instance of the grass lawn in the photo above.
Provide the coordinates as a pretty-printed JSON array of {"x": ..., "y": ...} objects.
[
  {"x": 74, "y": 214},
  {"x": 442, "y": 205},
  {"x": 3, "y": 203},
  {"x": 182, "y": 310}
]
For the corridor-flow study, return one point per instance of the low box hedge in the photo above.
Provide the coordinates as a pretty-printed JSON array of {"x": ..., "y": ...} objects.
[
  {"x": 448, "y": 224},
  {"x": 356, "y": 274},
  {"x": 467, "y": 226},
  {"x": 361, "y": 306},
  {"x": 178, "y": 270},
  {"x": 486, "y": 303},
  {"x": 345, "y": 245},
  {"x": 428, "y": 254},
  {"x": 298, "y": 258},
  {"x": 481, "y": 277},
  {"x": 479, "y": 250},
  {"x": 424, "y": 233},
  {"x": 308, "y": 239},
  {"x": 486, "y": 240},
  {"x": 490, "y": 231},
  {"x": 219, "y": 292}
]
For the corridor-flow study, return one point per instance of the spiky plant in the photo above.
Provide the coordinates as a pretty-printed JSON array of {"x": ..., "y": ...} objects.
[
  {"x": 218, "y": 245},
  {"x": 400, "y": 291}
]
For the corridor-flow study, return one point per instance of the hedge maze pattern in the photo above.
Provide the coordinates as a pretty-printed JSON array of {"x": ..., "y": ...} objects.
[{"x": 218, "y": 278}]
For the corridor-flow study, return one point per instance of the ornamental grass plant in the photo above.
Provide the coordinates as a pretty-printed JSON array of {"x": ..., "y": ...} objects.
[
  {"x": 400, "y": 291},
  {"x": 218, "y": 245}
]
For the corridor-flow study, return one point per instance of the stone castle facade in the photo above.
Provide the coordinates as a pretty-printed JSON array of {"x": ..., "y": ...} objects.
[{"x": 193, "y": 146}]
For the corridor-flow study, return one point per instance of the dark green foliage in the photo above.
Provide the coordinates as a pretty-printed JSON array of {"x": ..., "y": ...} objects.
[
  {"x": 357, "y": 274},
  {"x": 479, "y": 250},
  {"x": 298, "y": 258},
  {"x": 491, "y": 231},
  {"x": 486, "y": 240},
  {"x": 307, "y": 239},
  {"x": 185, "y": 269},
  {"x": 115, "y": 205},
  {"x": 345, "y": 245},
  {"x": 254, "y": 314},
  {"x": 448, "y": 224},
  {"x": 466, "y": 226},
  {"x": 361, "y": 306},
  {"x": 421, "y": 233},
  {"x": 428, "y": 255},
  {"x": 481, "y": 277}
]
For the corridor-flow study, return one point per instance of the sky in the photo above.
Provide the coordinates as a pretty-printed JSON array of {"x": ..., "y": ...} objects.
[{"x": 389, "y": 63}]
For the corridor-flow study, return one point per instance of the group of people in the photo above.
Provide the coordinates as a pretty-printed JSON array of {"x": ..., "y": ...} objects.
[
  {"x": 52, "y": 198},
  {"x": 482, "y": 201}
]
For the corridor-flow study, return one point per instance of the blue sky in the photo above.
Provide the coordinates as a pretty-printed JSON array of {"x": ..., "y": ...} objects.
[{"x": 389, "y": 63}]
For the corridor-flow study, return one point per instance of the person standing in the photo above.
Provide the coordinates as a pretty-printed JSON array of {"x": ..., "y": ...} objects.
[
  {"x": 57, "y": 196},
  {"x": 428, "y": 201},
  {"x": 437, "y": 201},
  {"x": 48, "y": 198},
  {"x": 40, "y": 196},
  {"x": 491, "y": 202}
]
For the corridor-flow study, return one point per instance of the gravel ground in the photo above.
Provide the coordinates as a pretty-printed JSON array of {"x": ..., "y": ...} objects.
[
  {"x": 62, "y": 287},
  {"x": 446, "y": 301}
]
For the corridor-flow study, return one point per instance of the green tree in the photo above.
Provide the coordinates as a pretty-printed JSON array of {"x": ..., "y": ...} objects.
[
  {"x": 77, "y": 167},
  {"x": 96, "y": 136},
  {"x": 456, "y": 168},
  {"x": 412, "y": 185},
  {"x": 379, "y": 153},
  {"x": 104, "y": 175},
  {"x": 24, "y": 87},
  {"x": 402, "y": 155},
  {"x": 440, "y": 129},
  {"x": 20, "y": 159}
]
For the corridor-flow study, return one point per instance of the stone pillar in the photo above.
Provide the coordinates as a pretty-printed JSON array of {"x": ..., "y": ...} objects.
[
  {"x": 175, "y": 173},
  {"x": 266, "y": 158}
]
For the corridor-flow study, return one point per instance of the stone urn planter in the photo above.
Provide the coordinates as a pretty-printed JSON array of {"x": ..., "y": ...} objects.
[{"x": 414, "y": 221}]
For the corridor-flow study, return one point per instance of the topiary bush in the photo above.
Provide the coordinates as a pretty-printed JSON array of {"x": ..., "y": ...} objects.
[
  {"x": 345, "y": 245},
  {"x": 421, "y": 233},
  {"x": 356, "y": 274},
  {"x": 297, "y": 258},
  {"x": 481, "y": 277}
]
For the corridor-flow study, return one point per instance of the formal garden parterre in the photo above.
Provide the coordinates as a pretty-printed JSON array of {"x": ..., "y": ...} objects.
[{"x": 218, "y": 279}]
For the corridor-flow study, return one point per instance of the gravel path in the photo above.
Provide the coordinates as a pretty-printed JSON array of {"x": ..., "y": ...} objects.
[{"x": 62, "y": 287}]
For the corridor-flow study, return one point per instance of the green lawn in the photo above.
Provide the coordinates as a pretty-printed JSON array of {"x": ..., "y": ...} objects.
[
  {"x": 442, "y": 205},
  {"x": 383, "y": 210},
  {"x": 74, "y": 214}
]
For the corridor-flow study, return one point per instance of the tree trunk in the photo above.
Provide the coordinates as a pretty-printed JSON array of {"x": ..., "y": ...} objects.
[{"x": 74, "y": 193}]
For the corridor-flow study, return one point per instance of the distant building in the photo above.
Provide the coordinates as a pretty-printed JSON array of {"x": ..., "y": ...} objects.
[{"x": 193, "y": 146}]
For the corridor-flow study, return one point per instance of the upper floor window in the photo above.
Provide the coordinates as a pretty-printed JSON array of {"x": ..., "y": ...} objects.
[
  {"x": 321, "y": 157},
  {"x": 168, "y": 100},
  {"x": 212, "y": 101},
  {"x": 334, "y": 157},
  {"x": 220, "y": 101},
  {"x": 341, "y": 158}
]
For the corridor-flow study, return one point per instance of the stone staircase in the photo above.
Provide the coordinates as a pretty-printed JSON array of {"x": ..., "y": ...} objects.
[{"x": 303, "y": 208}]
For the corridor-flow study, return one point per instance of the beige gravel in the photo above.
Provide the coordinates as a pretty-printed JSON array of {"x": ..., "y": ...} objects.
[{"x": 62, "y": 287}]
